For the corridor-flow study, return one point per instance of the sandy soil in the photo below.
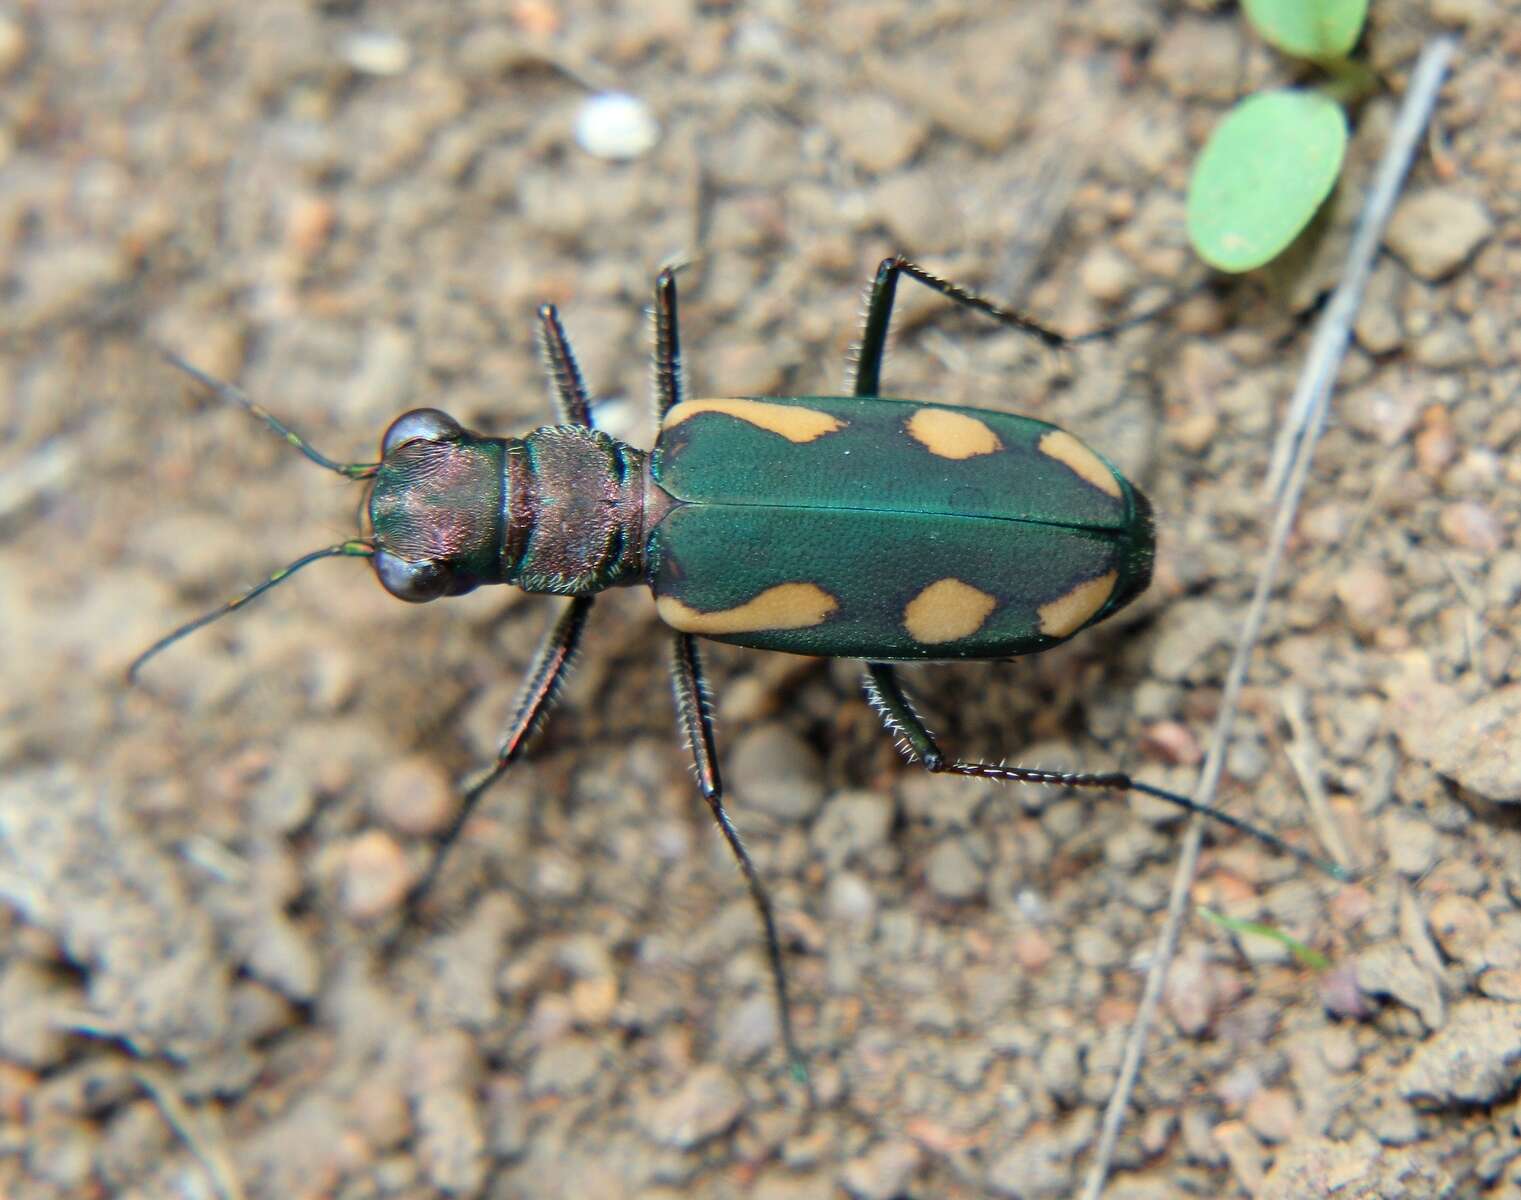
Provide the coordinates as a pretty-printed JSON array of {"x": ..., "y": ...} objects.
[{"x": 354, "y": 209}]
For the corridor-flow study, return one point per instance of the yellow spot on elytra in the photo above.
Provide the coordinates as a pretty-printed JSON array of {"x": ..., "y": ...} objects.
[
  {"x": 952, "y": 434},
  {"x": 946, "y": 610},
  {"x": 1067, "y": 614},
  {"x": 796, "y": 423},
  {"x": 785, "y": 606},
  {"x": 1071, "y": 453}
]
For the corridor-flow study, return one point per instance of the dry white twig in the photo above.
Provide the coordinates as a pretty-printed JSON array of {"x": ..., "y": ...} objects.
[{"x": 1311, "y": 401}]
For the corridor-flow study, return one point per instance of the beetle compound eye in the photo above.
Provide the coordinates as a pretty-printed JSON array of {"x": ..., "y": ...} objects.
[
  {"x": 414, "y": 582},
  {"x": 421, "y": 424}
]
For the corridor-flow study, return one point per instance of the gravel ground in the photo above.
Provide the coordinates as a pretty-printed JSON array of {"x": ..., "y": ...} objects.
[{"x": 352, "y": 209}]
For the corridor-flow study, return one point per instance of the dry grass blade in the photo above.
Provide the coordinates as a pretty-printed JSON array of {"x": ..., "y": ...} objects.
[{"x": 1312, "y": 398}]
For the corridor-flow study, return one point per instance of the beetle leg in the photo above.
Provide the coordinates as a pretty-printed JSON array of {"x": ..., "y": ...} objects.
[
  {"x": 670, "y": 388},
  {"x": 540, "y": 690},
  {"x": 879, "y": 308},
  {"x": 879, "y": 311},
  {"x": 915, "y": 740},
  {"x": 693, "y": 710},
  {"x": 918, "y": 743},
  {"x": 569, "y": 388}
]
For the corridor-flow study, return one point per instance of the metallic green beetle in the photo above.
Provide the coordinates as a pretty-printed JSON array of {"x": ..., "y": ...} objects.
[{"x": 838, "y": 526}]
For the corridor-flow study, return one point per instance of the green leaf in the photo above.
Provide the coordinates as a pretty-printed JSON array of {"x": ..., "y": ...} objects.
[
  {"x": 1308, "y": 957},
  {"x": 1267, "y": 167},
  {"x": 1313, "y": 29}
]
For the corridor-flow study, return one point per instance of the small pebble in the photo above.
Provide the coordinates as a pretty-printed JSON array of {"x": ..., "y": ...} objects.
[
  {"x": 1500, "y": 983},
  {"x": 565, "y": 1066},
  {"x": 1272, "y": 1115},
  {"x": 282, "y": 954},
  {"x": 1460, "y": 925},
  {"x": 1189, "y": 994},
  {"x": 1436, "y": 442},
  {"x": 777, "y": 772},
  {"x": 1388, "y": 969},
  {"x": 1475, "y": 1059},
  {"x": 13, "y": 43},
  {"x": 1367, "y": 596},
  {"x": 1473, "y": 526},
  {"x": 375, "y": 876},
  {"x": 593, "y": 1001},
  {"x": 1107, "y": 274},
  {"x": 750, "y": 1029},
  {"x": 1174, "y": 742},
  {"x": 415, "y": 796},
  {"x": 616, "y": 126},
  {"x": 379, "y": 1111},
  {"x": 1061, "y": 1069},
  {"x": 308, "y": 225},
  {"x": 1479, "y": 745},
  {"x": 1340, "y": 993},
  {"x": 1034, "y": 1169},
  {"x": 701, "y": 1108},
  {"x": 1338, "y": 1048},
  {"x": 1244, "y": 1154},
  {"x": 451, "y": 1141},
  {"x": 952, "y": 872},
  {"x": 1032, "y": 950},
  {"x": 1433, "y": 232},
  {"x": 1414, "y": 847},
  {"x": 1394, "y": 1122},
  {"x": 884, "y": 1171},
  {"x": 852, "y": 824},
  {"x": 851, "y": 899},
  {"x": 873, "y": 132}
]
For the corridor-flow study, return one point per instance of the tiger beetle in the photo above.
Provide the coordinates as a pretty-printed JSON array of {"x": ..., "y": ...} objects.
[{"x": 836, "y": 526}]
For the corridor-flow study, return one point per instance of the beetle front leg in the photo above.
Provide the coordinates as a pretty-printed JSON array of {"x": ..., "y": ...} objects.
[
  {"x": 670, "y": 388},
  {"x": 540, "y": 689},
  {"x": 564, "y": 373},
  {"x": 694, "y": 713}
]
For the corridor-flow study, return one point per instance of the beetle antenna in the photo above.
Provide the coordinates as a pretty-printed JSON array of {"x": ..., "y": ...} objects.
[
  {"x": 235, "y": 395},
  {"x": 351, "y": 549}
]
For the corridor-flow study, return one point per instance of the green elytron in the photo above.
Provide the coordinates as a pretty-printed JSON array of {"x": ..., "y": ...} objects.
[
  {"x": 859, "y": 527},
  {"x": 838, "y": 526}
]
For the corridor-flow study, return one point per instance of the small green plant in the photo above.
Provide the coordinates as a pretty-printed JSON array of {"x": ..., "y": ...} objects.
[
  {"x": 1308, "y": 957},
  {"x": 1274, "y": 158}
]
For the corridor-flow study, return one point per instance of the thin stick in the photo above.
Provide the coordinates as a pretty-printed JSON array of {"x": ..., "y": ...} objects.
[
  {"x": 209, "y": 1148},
  {"x": 1334, "y": 331},
  {"x": 1320, "y": 371},
  {"x": 1304, "y": 756}
]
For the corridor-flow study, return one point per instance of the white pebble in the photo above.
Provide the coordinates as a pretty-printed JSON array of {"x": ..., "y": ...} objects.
[
  {"x": 375, "y": 53},
  {"x": 617, "y": 126}
]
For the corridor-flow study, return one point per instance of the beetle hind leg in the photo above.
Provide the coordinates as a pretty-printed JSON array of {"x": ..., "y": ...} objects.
[
  {"x": 694, "y": 712},
  {"x": 918, "y": 744}
]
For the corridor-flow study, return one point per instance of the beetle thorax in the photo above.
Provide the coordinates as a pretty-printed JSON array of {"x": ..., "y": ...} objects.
[{"x": 575, "y": 511}]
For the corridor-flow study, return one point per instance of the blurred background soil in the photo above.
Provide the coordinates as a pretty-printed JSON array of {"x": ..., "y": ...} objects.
[{"x": 351, "y": 209}]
